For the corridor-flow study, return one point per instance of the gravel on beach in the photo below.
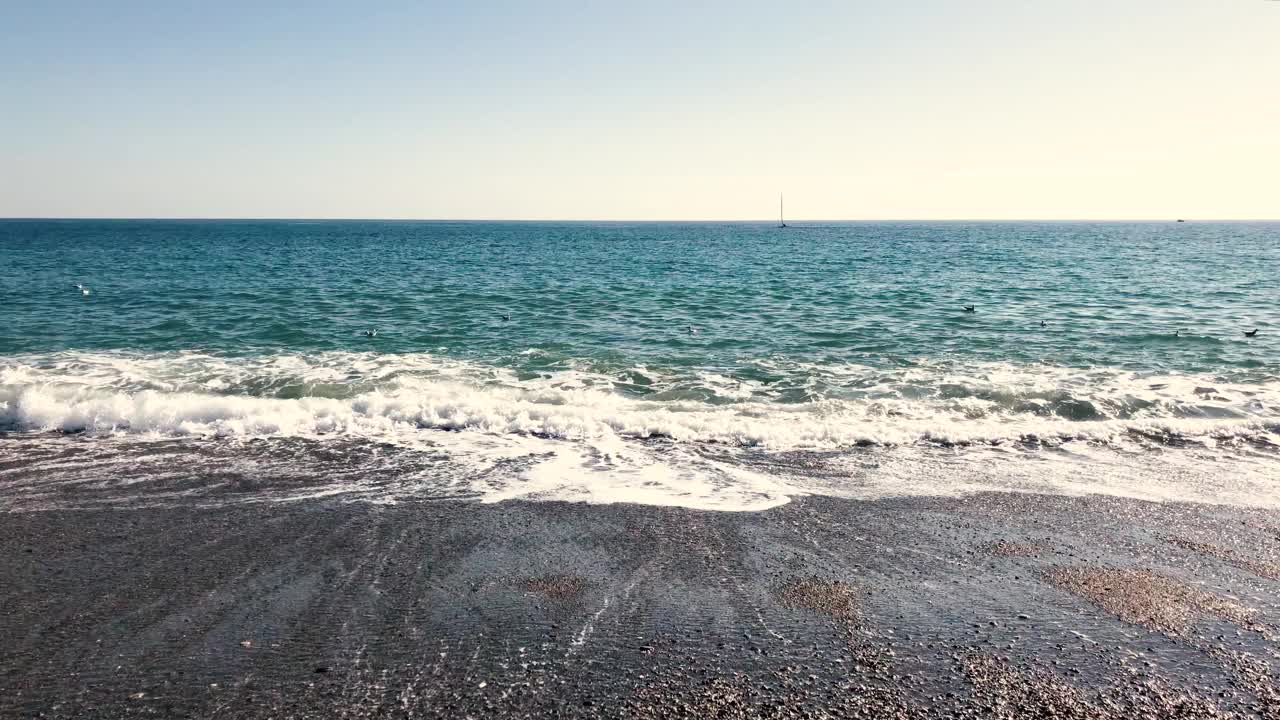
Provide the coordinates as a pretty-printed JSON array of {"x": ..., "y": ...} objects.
[{"x": 994, "y": 605}]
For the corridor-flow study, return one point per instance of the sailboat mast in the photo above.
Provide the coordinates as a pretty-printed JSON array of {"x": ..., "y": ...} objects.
[{"x": 781, "y": 221}]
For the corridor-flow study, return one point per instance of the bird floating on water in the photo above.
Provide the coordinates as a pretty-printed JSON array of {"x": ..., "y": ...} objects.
[
  {"x": 371, "y": 333},
  {"x": 1042, "y": 323},
  {"x": 693, "y": 330},
  {"x": 1251, "y": 333},
  {"x": 970, "y": 308},
  {"x": 505, "y": 317}
]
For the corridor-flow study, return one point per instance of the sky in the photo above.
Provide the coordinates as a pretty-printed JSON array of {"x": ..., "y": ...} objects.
[{"x": 673, "y": 110}]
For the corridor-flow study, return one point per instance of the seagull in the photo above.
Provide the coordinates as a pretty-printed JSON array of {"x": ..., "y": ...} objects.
[
  {"x": 1251, "y": 333},
  {"x": 371, "y": 333},
  {"x": 970, "y": 308}
]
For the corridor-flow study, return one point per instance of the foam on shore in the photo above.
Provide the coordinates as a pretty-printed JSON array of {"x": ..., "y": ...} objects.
[{"x": 581, "y": 435}]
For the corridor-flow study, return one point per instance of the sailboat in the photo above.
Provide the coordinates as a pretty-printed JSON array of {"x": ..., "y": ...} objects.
[{"x": 781, "y": 222}]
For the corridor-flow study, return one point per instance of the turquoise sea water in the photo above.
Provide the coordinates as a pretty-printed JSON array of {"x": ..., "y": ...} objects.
[
  {"x": 615, "y": 294},
  {"x": 818, "y": 339}
]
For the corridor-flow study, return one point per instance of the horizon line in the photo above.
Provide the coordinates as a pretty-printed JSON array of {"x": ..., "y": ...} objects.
[{"x": 753, "y": 221}]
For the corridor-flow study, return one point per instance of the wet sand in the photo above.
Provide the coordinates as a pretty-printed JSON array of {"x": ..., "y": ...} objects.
[{"x": 997, "y": 605}]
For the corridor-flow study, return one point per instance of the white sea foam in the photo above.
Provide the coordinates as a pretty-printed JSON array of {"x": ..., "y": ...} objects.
[
  {"x": 563, "y": 406},
  {"x": 580, "y": 438}
]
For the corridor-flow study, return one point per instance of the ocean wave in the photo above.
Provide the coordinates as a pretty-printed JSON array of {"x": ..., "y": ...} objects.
[
  {"x": 395, "y": 396},
  {"x": 381, "y": 428}
]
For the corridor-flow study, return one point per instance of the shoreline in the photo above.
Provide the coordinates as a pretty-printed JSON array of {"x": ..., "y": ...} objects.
[{"x": 911, "y": 607}]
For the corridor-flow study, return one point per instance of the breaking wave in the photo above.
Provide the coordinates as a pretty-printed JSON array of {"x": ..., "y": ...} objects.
[
  {"x": 373, "y": 395},
  {"x": 702, "y": 437}
]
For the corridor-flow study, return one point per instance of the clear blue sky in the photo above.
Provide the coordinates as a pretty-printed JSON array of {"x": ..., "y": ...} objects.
[{"x": 663, "y": 110}]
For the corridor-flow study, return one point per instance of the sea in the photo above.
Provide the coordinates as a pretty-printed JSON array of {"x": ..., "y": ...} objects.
[{"x": 716, "y": 366}]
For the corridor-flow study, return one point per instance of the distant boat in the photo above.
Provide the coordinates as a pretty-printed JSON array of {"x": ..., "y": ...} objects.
[
  {"x": 1182, "y": 221},
  {"x": 781, "y": 222}
]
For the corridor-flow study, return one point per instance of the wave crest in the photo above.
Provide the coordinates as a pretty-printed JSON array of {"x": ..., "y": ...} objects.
[
  {"x": 384, "y": 427},
  {"x": 395, "y": 396}
]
